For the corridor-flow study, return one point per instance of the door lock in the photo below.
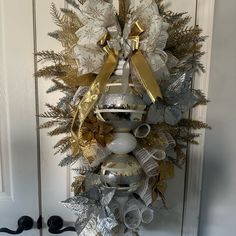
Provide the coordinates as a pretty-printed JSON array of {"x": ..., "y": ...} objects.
[
  {"x": 55, "y": 224},
  {"x": 24, "y": 223}
]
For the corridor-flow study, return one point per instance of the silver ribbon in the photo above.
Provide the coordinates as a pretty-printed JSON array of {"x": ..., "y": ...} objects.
[
  {"x": 136, "y": 212},
  {"x": 148, "y": 158},
  {"x": 115, "y": 207},
  {"x": 145, "y": 192},
  {"x": 178, "y": 99},
  {"x": 132, "y": 215},
  {"x": 149, "y": 165},
  {"x": 94, "y": 214},
  {"x": 142, "y": 131}
]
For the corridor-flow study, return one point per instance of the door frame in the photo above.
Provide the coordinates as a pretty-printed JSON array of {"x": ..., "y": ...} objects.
[{"x": 194, "y": 167}]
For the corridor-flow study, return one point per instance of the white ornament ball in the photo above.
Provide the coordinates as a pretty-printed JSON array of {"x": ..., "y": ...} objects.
[{"x": 122, "y": 143}]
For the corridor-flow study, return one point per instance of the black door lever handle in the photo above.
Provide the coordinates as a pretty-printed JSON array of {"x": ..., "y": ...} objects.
[
  {"x": 24, "y": 223},
  {"x": 55, "y": 224}
]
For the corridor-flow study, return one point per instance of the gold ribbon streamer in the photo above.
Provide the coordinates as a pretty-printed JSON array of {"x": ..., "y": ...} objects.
[
  {"x": 90, "y": 98},
  {"x": 141, "y": 66},
  {"x": 145, "y": 75}
]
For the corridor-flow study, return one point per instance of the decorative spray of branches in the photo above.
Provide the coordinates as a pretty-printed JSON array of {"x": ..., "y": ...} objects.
[{"x": 184, "y": 42}]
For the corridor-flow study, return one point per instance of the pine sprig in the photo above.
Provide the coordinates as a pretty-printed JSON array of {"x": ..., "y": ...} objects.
[
  {"x": 69, "y": 23},
  {"x": 57, "y": 110},
  {"x": 193, "y": 124},
  {"x": 55, "y": 34},
  {"x": 72, "y": 18},
  {"x": 56, "y": 70},
  {"x": 185, "y": 41},
  {"x": 68, "y": 160},
  {"x": 65, "y": 18},
  {"x": 66, "y": 37},
  {"x": 189, "y": 138},
  {"x": 184, "y": 31},
  {"x": 50, "y": 115},
  {"x": 62, "y": 129},
  {"x": 56, "y": 58},
  {"x": 202, "y": 100},
  {"x": 195, "y": 60},
  {"x": 62, "y": 145},
  {"x": 179, "y": 24},
  {"x": 55, "y": 113},
  {"x": 57, "y": 17},
  {"x": 59, "y": 86},
  {"x": 48, "y": 124},
  {"x": 172, "y": 17}
]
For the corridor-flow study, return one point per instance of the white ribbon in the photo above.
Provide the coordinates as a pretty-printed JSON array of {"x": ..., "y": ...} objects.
[{"x": 99, "y": 17}]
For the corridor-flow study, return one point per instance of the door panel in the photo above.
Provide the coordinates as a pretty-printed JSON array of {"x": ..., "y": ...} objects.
[
  {"x": 18, "y": 144},
  {"x": 55, "y": 180},
  {"x": 168, "y": 222}
]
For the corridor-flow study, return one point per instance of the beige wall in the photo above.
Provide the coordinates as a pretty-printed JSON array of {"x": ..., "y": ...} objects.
[{"x": 218, "y": 210}]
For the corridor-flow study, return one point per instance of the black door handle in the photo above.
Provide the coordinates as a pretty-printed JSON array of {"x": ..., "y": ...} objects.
[
  {"x": 55, "y": 224},
  {"x": 24, "y": 223}
]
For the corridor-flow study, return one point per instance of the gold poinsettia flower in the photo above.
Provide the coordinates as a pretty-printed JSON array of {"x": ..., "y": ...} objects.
[
  {"x": 94, "y": 129},
  {"x": 94, "y": 133}
]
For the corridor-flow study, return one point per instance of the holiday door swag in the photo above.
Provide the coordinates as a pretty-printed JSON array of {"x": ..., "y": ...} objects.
[{"x": 126, "y": 82}]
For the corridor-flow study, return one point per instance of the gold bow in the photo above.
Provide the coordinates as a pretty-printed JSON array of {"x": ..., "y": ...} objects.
[{"x": 140, "y": 65}]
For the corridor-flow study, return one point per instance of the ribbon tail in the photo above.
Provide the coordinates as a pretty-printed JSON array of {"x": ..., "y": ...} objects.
[
  {"x": 125, "y": 76},
  {"x": 145, "y": 75},
  {"x": 91, "y": 96}
]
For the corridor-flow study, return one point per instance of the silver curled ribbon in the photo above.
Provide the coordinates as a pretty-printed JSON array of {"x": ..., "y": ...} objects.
[
  {"x": 148, "y": 158},
  {"x": 135, "y": 213}
]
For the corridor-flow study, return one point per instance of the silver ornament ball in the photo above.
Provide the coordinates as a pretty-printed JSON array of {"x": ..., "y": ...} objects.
[
  {"x": 124, "y": 111},
  {"x": 122, "y": 172}
]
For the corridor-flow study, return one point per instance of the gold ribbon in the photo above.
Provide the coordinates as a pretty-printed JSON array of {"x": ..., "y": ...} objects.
[
  {"x": 143, "y": 72},
  {"x": 90, "y": 98},
  {"x": 145, "y": 75},
  {"x": 141, "y": 65}
]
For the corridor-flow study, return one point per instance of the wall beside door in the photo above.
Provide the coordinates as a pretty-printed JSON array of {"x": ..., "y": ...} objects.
[{"x": 218, "y": 210}]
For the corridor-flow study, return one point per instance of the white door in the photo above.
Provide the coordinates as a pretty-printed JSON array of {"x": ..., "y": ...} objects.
[
  {"x": 56, "y": 180},
  {"x": 18, "y": 141},
  {"x": 31, "y": 183}
]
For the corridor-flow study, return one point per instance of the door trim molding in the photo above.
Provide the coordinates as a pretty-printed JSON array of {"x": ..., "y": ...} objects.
[
  {"x": 6, "y": 185},
  {"x": 194, "y": 165}
]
